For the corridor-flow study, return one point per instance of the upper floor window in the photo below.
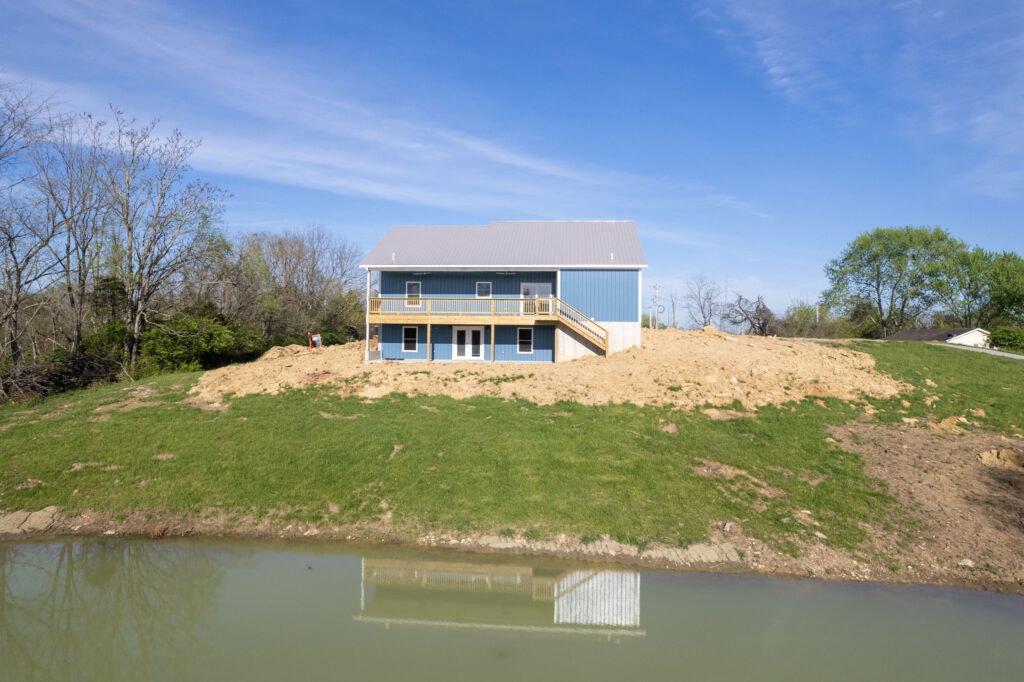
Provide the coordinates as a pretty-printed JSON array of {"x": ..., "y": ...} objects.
[
  {"x": 483, "y": 289},
  {"x": 412, "y": 293}
]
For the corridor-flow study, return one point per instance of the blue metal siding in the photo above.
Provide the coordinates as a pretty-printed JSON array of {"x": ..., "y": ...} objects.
[
  {"x": 603, "y": 295},
  {"x": 461, "y": 284},
  {"x": 441, "y": 341},
  {"x": 391, "y": 342},
  {"x": 505, "y": 349},
  {"x": 506, "y": 345}
]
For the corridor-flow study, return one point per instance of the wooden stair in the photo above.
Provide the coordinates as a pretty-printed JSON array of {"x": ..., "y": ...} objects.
[{"x": 582, "y": 325}]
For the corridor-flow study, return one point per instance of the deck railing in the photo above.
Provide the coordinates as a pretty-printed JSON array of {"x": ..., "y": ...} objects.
[
  {"x": 469, "y": 307},
  {"x": 550, "y": 308}
]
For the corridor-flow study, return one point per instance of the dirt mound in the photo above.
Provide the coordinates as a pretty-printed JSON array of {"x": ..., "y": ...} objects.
[
  {"x": 1003, "y": 459},
  {"x": 680, "y": 368}
]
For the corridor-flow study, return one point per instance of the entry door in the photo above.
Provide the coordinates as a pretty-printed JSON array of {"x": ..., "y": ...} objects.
[
  {"x": 536, "y": 290},
  {"x": 469, "y": 343}
]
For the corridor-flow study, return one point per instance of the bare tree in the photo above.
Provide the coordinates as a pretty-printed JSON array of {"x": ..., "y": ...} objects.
[
  {"x": 291, "y": 282},
  {"x": 25, "y": 226},
  {"x": 25, "y": 263},
  {"x": 702, "y": 300},
  {"x": 23, "y": 123},
  {"x": 162, "y": 222},
  {"x": 754, "y": 317},
  {"x": 67, "y": 177},
  {"x": 673, "y": 301}
]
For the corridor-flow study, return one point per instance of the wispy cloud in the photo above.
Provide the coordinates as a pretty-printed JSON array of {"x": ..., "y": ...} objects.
[
  {"x": 263, "y": 116},
  {"x": 939, "y": 70}
]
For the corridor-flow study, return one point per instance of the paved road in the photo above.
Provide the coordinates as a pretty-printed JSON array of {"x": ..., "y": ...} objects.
[{"x": 1000, "y": 353}]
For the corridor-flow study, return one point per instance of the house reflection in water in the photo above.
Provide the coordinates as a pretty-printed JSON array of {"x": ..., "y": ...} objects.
[{"x": 500, "y": 596}]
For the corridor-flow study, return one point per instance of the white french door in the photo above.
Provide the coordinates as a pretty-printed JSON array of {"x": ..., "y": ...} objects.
[{"x": 467, "y": 343}]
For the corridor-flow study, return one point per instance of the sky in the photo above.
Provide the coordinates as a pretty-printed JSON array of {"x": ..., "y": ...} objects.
[{"x": 749, "y": 141}]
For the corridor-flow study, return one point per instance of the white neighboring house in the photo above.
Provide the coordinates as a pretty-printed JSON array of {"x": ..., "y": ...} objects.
[{"x": 977, "y": 337}]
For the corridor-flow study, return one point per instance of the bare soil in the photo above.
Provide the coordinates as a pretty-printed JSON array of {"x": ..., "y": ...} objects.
[
  {"x": 962, "y": 494},
  {"x": 685, "y": 369}
]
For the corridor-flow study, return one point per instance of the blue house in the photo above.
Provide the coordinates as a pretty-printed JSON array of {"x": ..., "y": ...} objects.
[{"x": 511, "y": 291}]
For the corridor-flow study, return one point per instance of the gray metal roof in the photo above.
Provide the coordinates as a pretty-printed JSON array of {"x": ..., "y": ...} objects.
[
  {"x": 929, "y": 334},
  {"x": 511, "y": 244}
]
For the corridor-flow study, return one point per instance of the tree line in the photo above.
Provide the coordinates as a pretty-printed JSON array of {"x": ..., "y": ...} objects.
[
  {"x": 114, "y": 261},
  {"x": 884, "y": 281}
]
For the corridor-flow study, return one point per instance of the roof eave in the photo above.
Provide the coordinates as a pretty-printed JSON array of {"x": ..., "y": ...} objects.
[{"x": 551, "y": 266}]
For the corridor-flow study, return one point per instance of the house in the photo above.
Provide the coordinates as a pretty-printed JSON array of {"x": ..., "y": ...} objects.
[
  {"x": 961, "y": 336},
  {"x": 511, "y": 291},
  {"x": 505, "y": 596}
]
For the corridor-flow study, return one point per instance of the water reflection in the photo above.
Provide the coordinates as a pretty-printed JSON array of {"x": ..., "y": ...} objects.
[
  {"x": 500, "y": 596},
  {"x": 103, "y": 610}
]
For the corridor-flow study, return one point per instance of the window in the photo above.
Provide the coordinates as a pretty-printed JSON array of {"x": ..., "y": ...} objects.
[
  {"x": 526, "y": 339},
  {"x": 483, "y": 289},
  {"x": 410, "y": 339},
  {"x": 412, "y": 293}
]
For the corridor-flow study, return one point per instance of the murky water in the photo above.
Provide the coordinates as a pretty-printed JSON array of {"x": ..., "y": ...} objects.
[{"x": 183, "y": 610}]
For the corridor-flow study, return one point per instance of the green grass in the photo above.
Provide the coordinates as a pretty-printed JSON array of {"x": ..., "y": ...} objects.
[
  {"x": 964, "y": 380},
  {"x": 482, "y": 464}
]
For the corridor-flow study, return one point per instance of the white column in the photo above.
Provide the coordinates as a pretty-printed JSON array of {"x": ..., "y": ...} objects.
[{"x": 366, "y": 352}]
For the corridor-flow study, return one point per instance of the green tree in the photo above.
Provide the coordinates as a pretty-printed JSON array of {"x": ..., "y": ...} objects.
[
  {"x": 1007, "y": 288},
  {"x": 894, "y": 269},
  {"x": 962, "y": 283}
]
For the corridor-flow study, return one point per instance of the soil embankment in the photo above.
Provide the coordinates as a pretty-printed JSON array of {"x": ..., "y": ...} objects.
[{"x": 685, "y": 369}]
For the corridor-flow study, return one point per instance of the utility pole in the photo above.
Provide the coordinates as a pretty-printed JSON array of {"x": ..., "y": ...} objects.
[{"x": 656, "y": 309}]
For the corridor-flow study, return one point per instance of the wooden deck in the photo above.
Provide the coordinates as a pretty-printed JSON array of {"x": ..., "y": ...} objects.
[{"x": 486, "y": 311}]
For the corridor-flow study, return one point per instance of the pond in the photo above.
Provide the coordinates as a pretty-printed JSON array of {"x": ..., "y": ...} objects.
[{"x": 202, "y": 610}]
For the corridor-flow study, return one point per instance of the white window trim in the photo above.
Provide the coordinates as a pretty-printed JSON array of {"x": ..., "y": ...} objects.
[
  {"x": 490, "y": 288},
  {"x": 520, "y": 352},
  {"x": 417, "y": 348},
  {"x": 407, "y": 296}
]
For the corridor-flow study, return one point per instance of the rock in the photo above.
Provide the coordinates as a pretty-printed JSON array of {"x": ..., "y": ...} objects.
[
  {"x": 11, "y": 523},
  {"x": 39, "y": 521},
  {"x": 965, "y": 563},
  {"x": 706, "y": 553}
]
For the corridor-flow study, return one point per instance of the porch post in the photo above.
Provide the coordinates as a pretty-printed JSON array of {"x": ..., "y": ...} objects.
[
  {"x": 366, "y": 351},
  {"x": 492, "y": 342},
  {"x": 430, "y": 349}
]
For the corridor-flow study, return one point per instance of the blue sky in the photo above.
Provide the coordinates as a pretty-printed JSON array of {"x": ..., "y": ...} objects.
[{"x": 749, "y": 140}]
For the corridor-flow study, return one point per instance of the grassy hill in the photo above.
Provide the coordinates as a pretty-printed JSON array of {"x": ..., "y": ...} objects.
[{"x": 636, "y": 474}]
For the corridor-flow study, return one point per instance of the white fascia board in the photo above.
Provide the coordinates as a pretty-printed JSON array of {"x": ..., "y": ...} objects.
[
  {"x": 959, "y": 336},
  {"x": 473, "y": 268}
]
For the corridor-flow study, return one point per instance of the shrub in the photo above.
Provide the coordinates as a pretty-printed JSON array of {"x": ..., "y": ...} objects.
[
  {"x": 189, "y": 342},
  {"x": 1011, "y": 338}
]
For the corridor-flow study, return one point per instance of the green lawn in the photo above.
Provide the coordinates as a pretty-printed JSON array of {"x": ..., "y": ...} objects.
[
  {"x": 964, "y": 380},
  {"x": 482, "y": 464}
]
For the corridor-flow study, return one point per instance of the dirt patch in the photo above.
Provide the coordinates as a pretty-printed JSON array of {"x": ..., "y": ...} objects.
[
  {"x": 685, "y": 369},
  {"x": 1003, "y": 458},
  {"x": 711, "y": 469},
  {"x": 138, "y": 394},
  {"x": 78, "y": 466},
  {"x": 724, "y": 415},
  {"x": 164, "y": 456},
  {"x": 29, "y": 484},
  {"x": 962, "y": 492}
]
